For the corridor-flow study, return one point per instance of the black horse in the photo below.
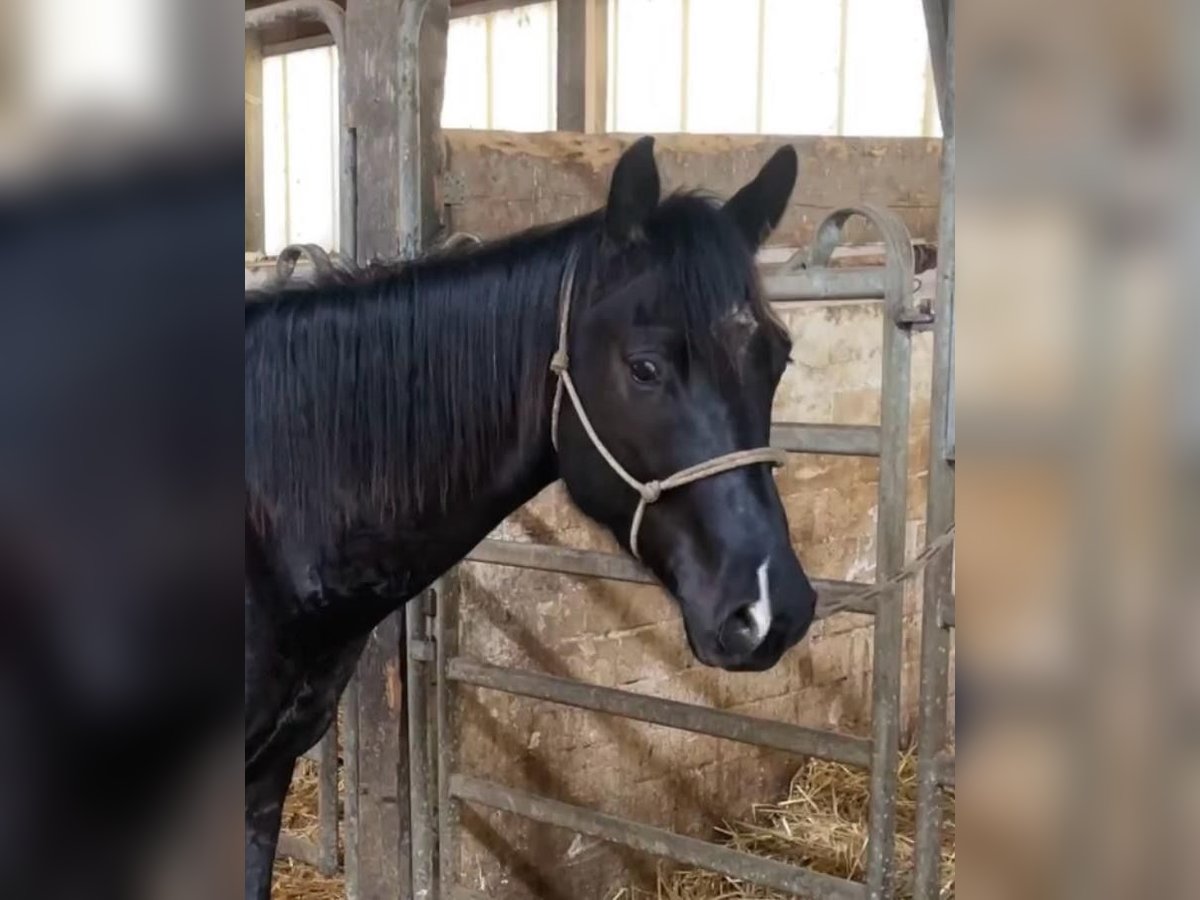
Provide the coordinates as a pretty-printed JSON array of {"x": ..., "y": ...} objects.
[{"x": 392, "y": 419}]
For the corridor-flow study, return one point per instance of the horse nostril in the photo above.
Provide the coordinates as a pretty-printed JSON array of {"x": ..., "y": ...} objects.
[{"x": 741, "y": 633}]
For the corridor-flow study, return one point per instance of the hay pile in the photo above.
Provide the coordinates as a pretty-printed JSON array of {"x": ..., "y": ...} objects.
[
  {"x": 821, "y": 824},
  {"x": 294, "y": 880}
]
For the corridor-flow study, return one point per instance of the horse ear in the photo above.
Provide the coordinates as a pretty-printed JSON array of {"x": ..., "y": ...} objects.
[
  {"x": 758, "y": 207},
  {"x": 634, "y": 191}
]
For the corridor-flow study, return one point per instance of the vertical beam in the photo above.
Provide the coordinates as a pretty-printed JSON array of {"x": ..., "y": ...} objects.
[
  {"x": 413, "y": 185},
  {"x": 254, "y": 143},
  {"x": 760, "y": 64},
  {"x": 383, "y": 852},
  {"x": 889, "y": 617},
  {"x": 582, "y": 65},
  {"x": 939, "y": 515},
  {"x": 435, "y": 29},
  {"x": 938, "y": 23},
  {"x": 394, "y": 84},
  {"x": 939, "y": 512},
  {"x": 350, "y": 772},
  {"x": 447, "y": 595},
  {"x": 420, "y": 686},
  {"x": 843, "y": 29},
  {"x": 685, "y": 61},
  {"x": 327, "y": 802}
]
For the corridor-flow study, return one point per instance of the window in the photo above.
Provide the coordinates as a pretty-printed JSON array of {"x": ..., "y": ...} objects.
[
  {"x": 300, "y": 149},
  {"x": 501, "y": 70},
  {"x": 856, "y": 67},
  {"x": 770, "y": 66}
]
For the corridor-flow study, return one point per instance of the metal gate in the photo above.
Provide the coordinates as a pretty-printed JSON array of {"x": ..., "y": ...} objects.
[{"x": 798, "y": 281}]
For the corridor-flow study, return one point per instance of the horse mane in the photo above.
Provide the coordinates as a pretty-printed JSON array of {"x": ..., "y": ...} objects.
[{"x": 386, "y": 392}]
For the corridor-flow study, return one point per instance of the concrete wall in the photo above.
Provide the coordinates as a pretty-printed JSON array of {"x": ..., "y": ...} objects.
[{"x": 631, "y": 636}]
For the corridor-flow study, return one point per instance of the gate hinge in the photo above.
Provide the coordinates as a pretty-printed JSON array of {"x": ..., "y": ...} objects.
[
  {"x": 920, "y": 318},
  {"x": 422, "y": 649}
]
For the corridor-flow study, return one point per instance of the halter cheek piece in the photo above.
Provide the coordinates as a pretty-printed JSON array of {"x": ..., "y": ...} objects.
[{"x": 648, "y": 491}]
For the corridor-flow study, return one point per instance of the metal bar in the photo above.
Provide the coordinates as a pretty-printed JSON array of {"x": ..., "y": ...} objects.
[
  {"x": 408, "y": 134},
  {"x": 421, "y": 780},
  {"x": 656, "y": 841},
  {"x": 327, "y": 802},
  {"x": 890, "y": 543},
  {"x": 841, "y": 440},
  {"x": 613, "y": 566},
  {"x": 446, "y": 639},
  {"x": 350, "y": 774},
  {"x": 760, "y": 52},
  {"x": 843, "y": 29},
  {"x": 944, "y": 772},
  {"x": 937, "y": 27},
  {"x": 830, "y": 745},
  {"x": 565, "y": 560},
  {"x": 301, "y": 849},
  {"x": 937, "y": 607},
  {"x": 326, "y": 12},
  {"x": 685, "y": 64},
  {"x": 946, "y": 613},
  {"x": 821, "y": 283}
]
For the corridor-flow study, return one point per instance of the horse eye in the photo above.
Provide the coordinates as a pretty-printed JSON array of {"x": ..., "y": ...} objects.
[{"x": 643, "y": 371}]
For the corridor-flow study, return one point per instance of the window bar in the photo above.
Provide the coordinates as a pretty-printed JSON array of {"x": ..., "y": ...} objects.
[
  {"x": 841, "y": 88},
  {"x": 487, "y": 68},
  {"x": 684, "y": 62},
  {"x": 286, "y": 131},
  {"x": 762, "y": 31}
]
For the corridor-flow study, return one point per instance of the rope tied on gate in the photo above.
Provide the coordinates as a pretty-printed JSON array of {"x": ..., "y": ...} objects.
[
  {"x": 648, "y": 491},
  {"x": 828, "y": 606}
]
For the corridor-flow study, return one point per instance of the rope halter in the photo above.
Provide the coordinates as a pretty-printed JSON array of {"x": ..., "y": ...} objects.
[{"x": 647, "y": 491}]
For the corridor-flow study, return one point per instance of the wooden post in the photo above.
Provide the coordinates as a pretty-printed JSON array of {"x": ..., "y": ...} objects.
[
  {"x": 255, "y": 238},
  {"x": 384, "y": 840},
  {"x": 582, "y": 65},
  {"x": 381, "y": 855},
  {"x": 372, "y": 65}
]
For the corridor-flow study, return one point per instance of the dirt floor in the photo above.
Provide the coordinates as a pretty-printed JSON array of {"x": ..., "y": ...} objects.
[{"x": 822, "y": 823}]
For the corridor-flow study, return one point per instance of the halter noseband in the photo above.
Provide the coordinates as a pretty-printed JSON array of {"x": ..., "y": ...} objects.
[{"x": 649, "y": 491}]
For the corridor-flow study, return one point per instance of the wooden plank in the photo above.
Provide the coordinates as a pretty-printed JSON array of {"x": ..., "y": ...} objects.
[
  {"x": 499, "y": 182},
  {"x": 843, "y": 748}
]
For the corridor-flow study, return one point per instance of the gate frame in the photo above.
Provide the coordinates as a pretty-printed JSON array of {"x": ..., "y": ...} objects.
[
  {"x": 935, "y": 761},
  {"x": 797, "y": 281}
]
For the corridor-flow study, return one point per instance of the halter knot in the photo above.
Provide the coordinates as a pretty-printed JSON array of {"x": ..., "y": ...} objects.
[
  {"x": 651, "y": 491},
  {"x": 559, "y": 361}
]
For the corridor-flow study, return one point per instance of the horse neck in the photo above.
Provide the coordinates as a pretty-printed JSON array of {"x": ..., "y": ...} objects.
[{"x": 491, "y": 341}]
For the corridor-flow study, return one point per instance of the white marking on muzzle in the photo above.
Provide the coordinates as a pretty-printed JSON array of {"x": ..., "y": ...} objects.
[{"x": 760, "y": 609}]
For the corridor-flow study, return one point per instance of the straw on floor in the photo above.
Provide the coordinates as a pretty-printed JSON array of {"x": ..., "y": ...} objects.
[{"x": 822, "y": 823}]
